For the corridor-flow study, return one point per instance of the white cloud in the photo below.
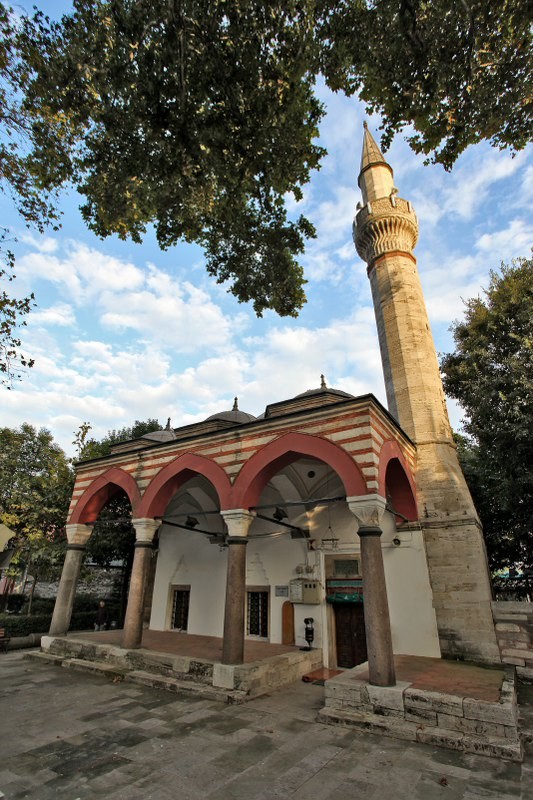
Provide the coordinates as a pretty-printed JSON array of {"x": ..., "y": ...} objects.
[
  {"x": 59, "y": 314},
  {"x": 472, "y": 180},
  {"x": 38, "y": 266},
  {"x": 124, "y": 297},
  {"x": 508, "y": 242},
  {"x": 44, "y": 244}
]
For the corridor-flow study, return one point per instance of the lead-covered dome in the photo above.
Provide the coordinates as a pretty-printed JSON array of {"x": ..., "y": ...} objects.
[{"x": 234, "y": 415}]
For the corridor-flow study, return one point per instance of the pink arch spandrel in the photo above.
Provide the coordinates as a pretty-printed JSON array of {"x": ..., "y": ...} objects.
[
  {"x": 277, "y": 454},
  {"x": 165, "y": 484},
  {"x": 396, "y": 480},
  {"x": 101, "y": 491}
]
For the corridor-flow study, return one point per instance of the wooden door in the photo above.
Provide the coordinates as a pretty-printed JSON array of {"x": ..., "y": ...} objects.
[
  {"x": 350, "y": 634},
  {"x": 287, "y": 623}
]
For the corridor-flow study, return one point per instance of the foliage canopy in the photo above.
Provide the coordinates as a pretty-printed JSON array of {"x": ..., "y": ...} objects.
[
  {"x": 199, "y": 117},
  {"x": 36, "y": 484},
  {"x": 491, "y": 375}
]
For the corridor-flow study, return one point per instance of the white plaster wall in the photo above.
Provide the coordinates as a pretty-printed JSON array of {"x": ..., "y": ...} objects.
[
  {"x": 412, "y": 616},
  {"x": 188, "y": 558}
]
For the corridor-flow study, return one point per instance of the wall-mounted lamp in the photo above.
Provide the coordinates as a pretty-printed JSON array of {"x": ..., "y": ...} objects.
[
  {"x": 191, "y": 522},
  {"x": 396, "y": 541},
  {"x": 280, "y": 514}
]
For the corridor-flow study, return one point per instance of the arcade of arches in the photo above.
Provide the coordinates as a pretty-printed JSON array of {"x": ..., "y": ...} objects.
[{"x": 246, "y": 527}]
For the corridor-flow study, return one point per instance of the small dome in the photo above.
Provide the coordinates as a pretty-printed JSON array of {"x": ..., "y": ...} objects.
[
  {"x": 165, "y": 435},
  {"x": 235, "y": 415},
  {"x": 323, "y": 388}
]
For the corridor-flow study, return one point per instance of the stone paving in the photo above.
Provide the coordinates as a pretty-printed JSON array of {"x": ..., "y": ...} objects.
[{"x": 71, "y": 735}]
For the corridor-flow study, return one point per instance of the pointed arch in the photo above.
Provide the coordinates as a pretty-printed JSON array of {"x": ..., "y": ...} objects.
[
  {"x": 101, "y": 491},
  {"x": 396, "y": 481},
  {"x": 158, "y": 493},
  {"x": 277, "y": 454}
]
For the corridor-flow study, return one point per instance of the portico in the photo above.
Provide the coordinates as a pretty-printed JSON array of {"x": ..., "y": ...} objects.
[{"x": 235, "y": 539}]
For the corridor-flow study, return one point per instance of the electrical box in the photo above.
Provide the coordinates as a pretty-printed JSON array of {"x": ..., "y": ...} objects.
[{"x": 304, "y": 590}]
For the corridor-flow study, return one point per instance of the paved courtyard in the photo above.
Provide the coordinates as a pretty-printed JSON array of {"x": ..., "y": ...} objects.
[{"x": 74, "y": 735}]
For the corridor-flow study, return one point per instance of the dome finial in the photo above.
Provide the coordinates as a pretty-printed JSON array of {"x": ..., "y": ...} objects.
[
  {"x": 365, "y": 125},
  {"x": 235, "y": 404},
  {"x": 323, "y": 382},
  {"x": 167, "y": 427}
]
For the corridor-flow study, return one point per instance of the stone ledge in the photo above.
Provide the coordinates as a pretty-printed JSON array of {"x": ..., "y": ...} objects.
[
  {"x": 187, "y": 687},
  {"x": 94, "y": 666},
  {"x": 443, "y": 719},
  {"x": 45, "y": 657},
  {"x": 525, "y": 673},
  {"x": 389, "y": 726},
  {"x": 166, "y": 670}
]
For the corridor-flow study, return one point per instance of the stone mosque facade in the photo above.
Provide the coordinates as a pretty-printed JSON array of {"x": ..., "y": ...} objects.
[{"x": 328, "y": 507}]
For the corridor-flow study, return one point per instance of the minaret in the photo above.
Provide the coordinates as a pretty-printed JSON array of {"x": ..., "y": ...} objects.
[{"x": 385, "y": 233}]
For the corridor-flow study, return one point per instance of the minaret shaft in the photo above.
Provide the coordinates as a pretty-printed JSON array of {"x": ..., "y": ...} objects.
[{"x": 385, "y": 233}]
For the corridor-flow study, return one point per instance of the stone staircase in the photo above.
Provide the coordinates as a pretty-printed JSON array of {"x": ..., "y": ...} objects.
[{"x": 200, "y": 677}]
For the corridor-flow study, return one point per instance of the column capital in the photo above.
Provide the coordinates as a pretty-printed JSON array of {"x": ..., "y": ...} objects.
[
  {"x": 78, "y": 534},
  {"x": 238, "y": 521},
  {"x": 145, "y": 528},
  {"x": 368, "y": 509}
]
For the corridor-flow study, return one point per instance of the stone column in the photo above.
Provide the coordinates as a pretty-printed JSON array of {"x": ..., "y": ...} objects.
[
  {"x": 77, "y": 536},
  {"x": 145, "y": 530},
  {"x": 368, "y": 511},
  {"x": 238, "y": 523}
]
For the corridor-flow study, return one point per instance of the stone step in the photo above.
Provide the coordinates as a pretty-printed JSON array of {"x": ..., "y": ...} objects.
[
  {"x": 398, "y": 729},
  {"x": 80, "y": 664},
  {"x": 94, "y": 666},
  {"x": 46, "y": 657},
  {"x": 229, "y": 696},
  {"x": 155, "y": 681}
]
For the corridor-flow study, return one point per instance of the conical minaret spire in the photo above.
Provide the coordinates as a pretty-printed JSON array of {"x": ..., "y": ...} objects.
[
  {"x": 376, "y": 178},
  {"x": 385, "y": 233}
]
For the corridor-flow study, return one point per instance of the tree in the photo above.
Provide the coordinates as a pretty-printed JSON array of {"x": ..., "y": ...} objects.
[
  {"x": 92, "y": 448},
  {"x": 113, "y": 536},
  {"x": 36, "y": 484},
  {"x": 199, "y": 116},
  {"x": 491, "y": 375},
  {"x": 196, "y": 117},
  {"x": 457, "y": 72},
  {"x": 35, "y": 205},
  {"x": 13, "y": 311}
]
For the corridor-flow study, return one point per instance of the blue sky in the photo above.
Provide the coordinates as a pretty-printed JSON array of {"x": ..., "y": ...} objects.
[{"x": 124, "y": 331}]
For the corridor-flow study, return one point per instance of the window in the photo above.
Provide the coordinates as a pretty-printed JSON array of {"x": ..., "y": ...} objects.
[
  {"x": 257, "y": 613},
  {"x": 180, "y": 608},
  {"x": 346, "y": 568}
]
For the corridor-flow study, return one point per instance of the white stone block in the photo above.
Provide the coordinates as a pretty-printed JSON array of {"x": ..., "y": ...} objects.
[
  {"x": 433, "y": 701},
  {"x": 386, "y": 696},
  {"x": 471, "y": 726},
  {"x": 502, "y": 713},
  {"x": 224, "y": 676}
]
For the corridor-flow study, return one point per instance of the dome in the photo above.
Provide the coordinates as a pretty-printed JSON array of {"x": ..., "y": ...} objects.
[
  {"x": 324, "y": 388},
  {"x": 234, "y": 415},
  {"x": 165, "y": 435}
]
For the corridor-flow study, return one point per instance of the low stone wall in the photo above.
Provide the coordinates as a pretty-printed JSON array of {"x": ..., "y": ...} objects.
[
  {"x": 513, "y": 622},
  {"x": 236, "y": 683},
  {"x": 98, "y": 582},
  {"x": 416, "y": 715}
]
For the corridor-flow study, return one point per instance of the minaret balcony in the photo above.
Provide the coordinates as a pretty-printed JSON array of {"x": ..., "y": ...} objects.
[{"x": 388, "y": 224}]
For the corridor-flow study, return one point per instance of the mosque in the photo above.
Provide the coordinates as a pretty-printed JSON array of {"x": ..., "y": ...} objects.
[{"x": 329, "y": 518}]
